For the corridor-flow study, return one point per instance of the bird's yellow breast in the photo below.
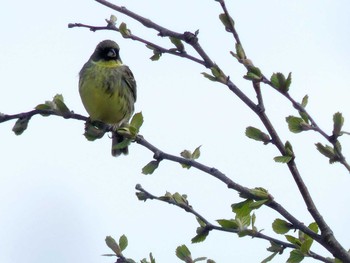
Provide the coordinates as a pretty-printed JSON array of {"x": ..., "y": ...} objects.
[{"x": 104, "y": 92}]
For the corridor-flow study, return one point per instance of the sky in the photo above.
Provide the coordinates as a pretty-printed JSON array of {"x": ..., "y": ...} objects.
[{"x": 61, "y": 195}]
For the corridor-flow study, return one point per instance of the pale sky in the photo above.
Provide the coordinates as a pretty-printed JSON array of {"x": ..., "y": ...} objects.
[{"x": 61, "y": 195}]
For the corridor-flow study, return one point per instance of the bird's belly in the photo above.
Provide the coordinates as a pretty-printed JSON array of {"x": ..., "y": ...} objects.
[{"x": 109, "y": 108}]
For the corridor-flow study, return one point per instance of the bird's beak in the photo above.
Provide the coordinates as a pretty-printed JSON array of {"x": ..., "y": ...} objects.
[{"x": 111, "y": 53}]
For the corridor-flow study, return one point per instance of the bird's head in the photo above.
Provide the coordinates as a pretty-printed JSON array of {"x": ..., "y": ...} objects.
[{"x": 106, "y": 50}]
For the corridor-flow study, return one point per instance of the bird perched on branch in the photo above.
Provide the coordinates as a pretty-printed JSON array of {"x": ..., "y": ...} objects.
[{"x": 108, "y": 89}]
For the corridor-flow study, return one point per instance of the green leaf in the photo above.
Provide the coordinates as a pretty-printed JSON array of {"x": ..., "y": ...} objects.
[
  {"x": 304, "y": 101},
  {"x": 196, "y": 153},
  {"x": 150, "y": 167},
  {"x": 243, "y": 208},
  {"x": 92, "y": 133},
  {"x": 227, "y": 22},
  {"x": 156, "y": 56},
  {"x": 338, "y": 121},
  {"x": 275, "y": 248},
  {"x": 218, "y": 74},
  {"x": 112, "y": 20},
  {"x": 60, "y": 105},
  {"x": 296, "y": 124},
  {"x": 178, "y": 44},
  {"x": 20, "y": 125},
  {"x": 326, "y": 150},
  {"x": 258, "y": 204},
  {"x": 306, "y": 245},
  {"x": 123, "y": 242},
  {"x": 202, "y": 234},
  {"x": 280, "y": 82},
  {"x": 200, "y": 222},
  {"x": 256, "y": 134},
  {"x": 289, "y": 149},
  {"x": 183, "y": 253},
  {"x": 137, "y": 121},
  {"x": 288, "y": 82},
  {"x": 253, "y": 73},
  {"x": 180, "y": 199},
  {"x": 296, "y": 256},
  {"x": 44, "y": 107},
  {"x": 240, "y": 51},
  {"x": 208, "y": 76},
  {"x": 199, "y": 259},
  {"x": 113, "y": 245},
  {"x": 124, "y": 31},
  {"x": 259, "y": 193},
  {"x": 269, "y": 258},
  {"x": 281, "y": 226},
  {"x": 314, "y": 227},
  {"x": 293, "y": 240},
  {"x": 186, "y": 154},
  {"x": 283, "y": 159},
  {"x": 229, "y": 224}
]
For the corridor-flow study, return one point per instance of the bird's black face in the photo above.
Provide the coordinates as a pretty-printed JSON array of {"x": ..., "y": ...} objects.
[
  {"x": 109, "y": 53},
  {"x": 106, "y": 50}
]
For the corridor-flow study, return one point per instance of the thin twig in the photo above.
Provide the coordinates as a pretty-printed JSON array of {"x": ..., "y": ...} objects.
[{"x": 209, "y": 226}]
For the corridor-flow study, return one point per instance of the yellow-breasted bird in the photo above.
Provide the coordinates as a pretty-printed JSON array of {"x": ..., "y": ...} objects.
[{"x": 108, "y": 89}]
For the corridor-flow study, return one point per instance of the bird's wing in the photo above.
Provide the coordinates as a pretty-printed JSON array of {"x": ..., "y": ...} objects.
[{"x": 130, "y": 80}]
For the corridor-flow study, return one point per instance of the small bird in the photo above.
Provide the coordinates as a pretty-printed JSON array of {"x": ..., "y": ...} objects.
[{"x": 108, "y": 89}]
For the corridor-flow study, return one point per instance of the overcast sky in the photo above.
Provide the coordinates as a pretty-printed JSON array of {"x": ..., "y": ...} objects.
[{"x": 60, "y": 195}]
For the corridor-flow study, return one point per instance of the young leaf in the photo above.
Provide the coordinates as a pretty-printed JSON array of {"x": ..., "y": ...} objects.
[
  {"x": 296, "y": 124},
  {"x": 256, "y": 134},
  {"x": 240, "y": 51},
  {"x": 314, "y": 227},
  {"x": 243, "y": 208},
  {"x": 296, "y": 256},
  {"x": 208, "y": 76},
  {"x": 92, "y": 133},
  {"x": 253, "y": 73},
  {"x": 275, "y": 248},
  {"x": 288, "y": 82},
  {"x": 281, "y": 226},
  {"x": 304, "y": 101},
  {"x": 227, "y": 22},
  {"x": 218, "y": 74},
  {"x": 123, "y": 242},
  {"x": 202, "y": 234},
  {"x": 229, "y": 224},
  {"x": 150, "y": 167},
  {"x": 113, "y": 245},
  {"x": 20, "y": 126},
  {"x": 124, "y": 31},
  {"x": 326, "y": 150},
  {"x": 112, "y": 20},
  {"x": 259, "y": 193},
  {"x": 156, "y": 56},
  {"x": 178, "y": 44},
  {"x": 283, "y": 159},
  {"x": 338, "y": 121},
  {"x": 293, "y": 240},
  {"x": 269, "y": 258},
  {"x": 183, "y": 253},
  {"x": 60, "y": 105},
  {"x": 196, "y": 153},
  {"x": 44, "y": 107},
  {"x": 280, "y": 82},
  {"x": 137, "y": 121}
]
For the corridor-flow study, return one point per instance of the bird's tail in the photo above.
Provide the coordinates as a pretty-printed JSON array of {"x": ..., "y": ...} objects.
[{"x": 116, "y": 139}]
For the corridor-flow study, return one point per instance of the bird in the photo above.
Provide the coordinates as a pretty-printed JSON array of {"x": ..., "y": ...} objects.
[{"x": 107, "y": 89}]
